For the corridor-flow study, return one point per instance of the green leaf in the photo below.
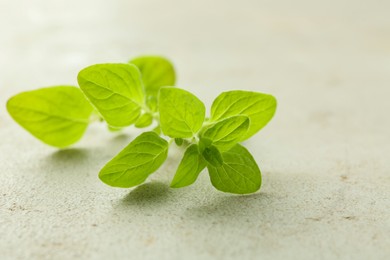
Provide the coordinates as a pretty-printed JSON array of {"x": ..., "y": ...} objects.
[
  {"x": 189, "y": 168},
  {"x": 157, "y": 130},
  {"x": 226, "y": 133},
  {"x": 151, "y": 102},
  {"x": 144, "y": 120},
  {"x": 116, "y": 91},
  {"x": 238, "y": 174},
  {"x": 114, "y": 129},
  {"x": 144, "y": 155},
  {"x": 58, "y": 115},
  {"x": 260, "y": 108},
  {"x": 156, "y": 72},
  {"x": 179, "y": 141},
  {"x": 181, "y": 113},
  {"x": 212, "y": 155}
]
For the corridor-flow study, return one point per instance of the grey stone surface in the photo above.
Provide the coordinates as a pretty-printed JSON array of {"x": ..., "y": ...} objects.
[{"x": 324, "y": 157}]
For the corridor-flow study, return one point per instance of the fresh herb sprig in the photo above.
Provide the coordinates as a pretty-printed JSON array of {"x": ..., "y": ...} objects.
[{"x": 140, "y": 93}]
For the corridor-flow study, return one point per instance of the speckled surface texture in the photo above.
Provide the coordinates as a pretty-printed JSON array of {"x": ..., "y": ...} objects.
[{"x": 324, "y": 157}]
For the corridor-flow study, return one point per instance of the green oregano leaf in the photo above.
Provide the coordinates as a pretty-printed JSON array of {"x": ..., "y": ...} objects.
[
  {"x": 157, "y": 130},
  {"x": 132, "y": 166},
  {"x": 181, "y": 113},
  {"x": 226, "y": 133},
  {"x": 189, "y": 168},
  {"x": 144, "y": 120},
  {"x": 156, "y": 72},
  {"x": 114, "y": 128},
  {"x": 151, "y": 102},
  {"x": 260, "y": 108},
  {"x": 179, "y": 141},
  {"x": 116, "y": 91},
  {"x": 238, "y": 173},
  {"x": 212, "y": 155},
  {"x": 57, "y": 116}
]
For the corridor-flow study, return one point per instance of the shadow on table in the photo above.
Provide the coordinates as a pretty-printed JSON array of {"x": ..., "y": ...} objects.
[
  {"x": 158, "y": 195},
  {"x": 70, "y": 155},
  {"x": 120, "y": 140},
  {"x": 151, "y": 193},
  {"x": 231, "y": 206},
  {"x": 94, "y": 157}
]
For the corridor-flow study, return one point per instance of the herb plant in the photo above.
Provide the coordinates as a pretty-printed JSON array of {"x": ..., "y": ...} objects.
[{"x": 141, "y": 93}]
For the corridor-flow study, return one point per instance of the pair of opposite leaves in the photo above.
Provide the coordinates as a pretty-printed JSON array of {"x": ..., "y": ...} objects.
[{"x": 125, "y": 94}]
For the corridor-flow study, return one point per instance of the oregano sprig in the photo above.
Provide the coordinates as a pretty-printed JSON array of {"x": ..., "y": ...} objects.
[{"x": 142, "y": 92}]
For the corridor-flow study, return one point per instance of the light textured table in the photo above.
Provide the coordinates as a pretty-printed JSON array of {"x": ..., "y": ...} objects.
[{"x": 325, "y": 157}]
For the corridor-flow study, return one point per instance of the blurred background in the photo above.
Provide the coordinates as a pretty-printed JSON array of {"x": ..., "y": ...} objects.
[{"x": 324, "y": 156}]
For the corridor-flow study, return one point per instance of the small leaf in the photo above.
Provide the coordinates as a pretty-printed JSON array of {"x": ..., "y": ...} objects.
[
  {"x": 144, "y": 120},
  {"x": 144, "y": 155},
  {"x": 190, "y": 167},
  {"x": 157, "y": 130},
  {"x": 260, "y": 108},
  {"x": 179, "y": 141},
  {"x": 156, "y": 72},
  {"x": 212, "y": 155},
  {"x": 203, "y": 143},
  {"x": 238, "y": 174},
  {"x": 181, "y": 113},
  {"x": 151, "y": 102},
  {"x": 57, "y": 116},
  {"x": 116, "y": 91},
  {"x": 226, "y": 133},
  {"x": 114, "y": 129}
]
